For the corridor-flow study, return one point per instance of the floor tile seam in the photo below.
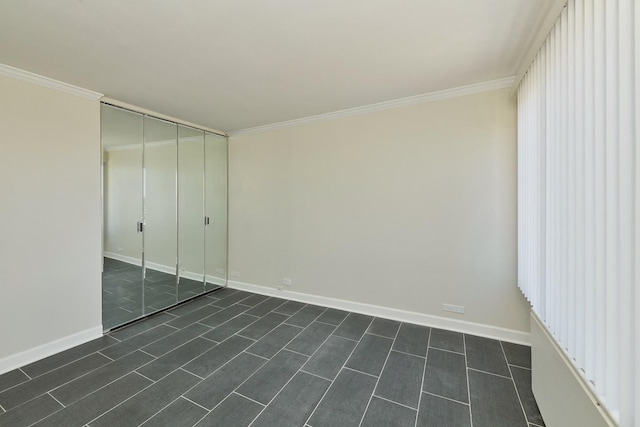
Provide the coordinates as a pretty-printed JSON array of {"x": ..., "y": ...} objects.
[
  {"x": 214, "y": 371},
  {"x": 339, "y": 370},
  {"x": 384, "y": 365},
  {"x": 162, "y": 409},
  {"x": 336, "y": 326},
  {"x": 513, "y": 381},
  {"x": 315, "y": 375},
  {"x": 303, "y": 329},
  {"x": 27, "y": 375},
  {"x": 295, "y": 312},
  {"x": 246, "y": 397},
  {"x": 60, "y": 385},
  {"x": 257, "y": 355},
  {"x": 518, "y": 366},
  {"x": 444, "y": 349},
  {"x": 409, "y": 354},
  {"x": 378, "y": 335},
  {"x": 273, "y": 398},
  {"x": 446, "y": 398},
  {"x": 361, "y": 372},
  {"x": 126, "y": 400},
  {"x": 54, "y": 398},
  {"x": 208, "y": 339},
  {"x": 489, "y": 373},
  {"x": 466, "y": 372},
  {"x": 424, "y": 373},
  {"x": 196, "y": 403},
  {"x": 56, "y": 368},
  {"x": 122, "y": 308},
  {"x": 534, "y": 424},
  {"x": 149, "y": 354},
  {"x": 175, "y": 349},
  {"x": 396, "y": 403}
]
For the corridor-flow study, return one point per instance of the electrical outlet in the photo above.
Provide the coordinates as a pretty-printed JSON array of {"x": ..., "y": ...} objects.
[
  {"x": 120, "y": 249},
  {"x": 286, "y": 282},
  {"x": 235, "y": 274},
  {"x": 453, "y": 308},
  {"x": 220, "y": 270}
]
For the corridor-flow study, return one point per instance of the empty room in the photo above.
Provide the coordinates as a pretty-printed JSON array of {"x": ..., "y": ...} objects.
[{"x": 319, "y": 213}]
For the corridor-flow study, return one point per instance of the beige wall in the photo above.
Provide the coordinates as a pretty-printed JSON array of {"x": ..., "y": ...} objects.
[
  {"x": 49, "y": 216},
  {"x": 407, "y": 208}
]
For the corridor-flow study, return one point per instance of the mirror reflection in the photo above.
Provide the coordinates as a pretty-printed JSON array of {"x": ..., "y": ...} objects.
[
  {"x": 122, "y": 299},
  {"x": 165, "y": 214},
  {"x": 160, "y": 227},
  {"x": 190, "y": 212}
]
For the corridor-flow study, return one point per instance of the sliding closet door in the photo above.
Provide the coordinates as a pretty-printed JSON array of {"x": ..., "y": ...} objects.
[
  {"x": 215, "y": 210},
  {"x": 160, "y": 208},
  {"x": 122, "y": 159},
  {"x": 190, "y": 212}
]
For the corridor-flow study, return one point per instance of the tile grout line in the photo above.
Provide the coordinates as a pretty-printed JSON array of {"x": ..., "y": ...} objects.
[
  {"x": 244, "y": 351},
  {"x": 513, "y": 381},
  {"x": 466, "y": 372},
  {"x": 163, "y": 408},
  {"x": 444, "y": 349},
  {"x": 246, "y": 397},
  {"x": 363, "y": 373},
  {"x": 489, "y": 373},
  {"x": 54, "y": 398},
  {"x": 446, "y": 398},
  {"x": 315, "y": 375},
  {"x": 28, "y": 376},
  {"x": 424, "y": 371},
  {"x": 195, "y": 403},
  {"x": 518, "y": 366},
  {"x": 300, "y": 369},
  {"x": 373, "y": 392},
  {"x": 410, "y": 354},
  {"x": 397, "y": 403}
]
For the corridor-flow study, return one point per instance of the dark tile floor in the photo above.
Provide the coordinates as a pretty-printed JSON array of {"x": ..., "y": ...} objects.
[
  {"x": 122, "y": 298},
  {"x": 232, "y": 358}
]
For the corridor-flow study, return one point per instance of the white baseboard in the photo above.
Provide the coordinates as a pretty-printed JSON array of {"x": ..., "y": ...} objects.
[
  {"x": 23, "y": 358},
  {"x": 563, "y": 394},
  {"x": 123, "y": 258},
  {"x": 216, "y": 280},
  {"x": 479, "y": 329},
  {"x": 220, "y": 281}
]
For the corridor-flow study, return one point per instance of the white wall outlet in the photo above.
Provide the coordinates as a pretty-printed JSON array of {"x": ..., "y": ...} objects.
[
  {"x": 453, "y": 308},
  {"x": 120, "y": 249},
  {"x": 235, "y": 274},
  {"x": 220, "y": 270},
  {"x": 286, "y": 282}
]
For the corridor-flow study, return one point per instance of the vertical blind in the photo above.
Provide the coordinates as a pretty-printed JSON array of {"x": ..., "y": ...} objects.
[{"x": 578, "y": 201}]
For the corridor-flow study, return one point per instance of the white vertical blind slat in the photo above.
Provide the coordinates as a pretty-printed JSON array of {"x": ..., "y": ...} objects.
[
  {"x": 578, "y": 184},
  {"x": 612, "y": 197},
  {"x": 626, "y": 175},
  {"x": 589, "y": 196},
  {"x": 599, "y": 77}
]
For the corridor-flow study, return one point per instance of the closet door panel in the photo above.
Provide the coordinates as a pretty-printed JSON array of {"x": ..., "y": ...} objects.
[
  {"x": 122, "y": 180},
  {"x": 190, "y": 212},
  {"x": 215, "y": 210},
  {"x": 160, "y": 206}
]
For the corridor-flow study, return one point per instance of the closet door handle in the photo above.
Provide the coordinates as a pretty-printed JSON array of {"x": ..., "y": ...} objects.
[
  {"x": 206, "y": 220},
  {"x": 140, "y": 227}
]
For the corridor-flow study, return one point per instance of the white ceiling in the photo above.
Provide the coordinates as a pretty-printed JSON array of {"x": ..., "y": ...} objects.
[{"x": 236, "y": 64}]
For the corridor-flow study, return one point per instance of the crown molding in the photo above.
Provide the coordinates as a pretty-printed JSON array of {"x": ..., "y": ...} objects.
[
  {"x": 36, "y": 79},
  {"x": 455, "y": 92},
  {"x": 545, "y": 24}
]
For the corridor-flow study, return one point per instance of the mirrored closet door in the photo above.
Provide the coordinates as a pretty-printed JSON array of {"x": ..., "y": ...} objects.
[
  {"x": 122, "y": 187},
  {"x": 165, "y": 214}
]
